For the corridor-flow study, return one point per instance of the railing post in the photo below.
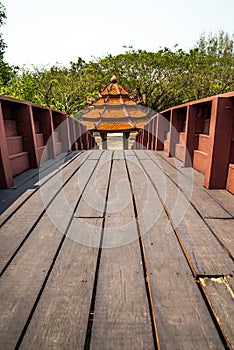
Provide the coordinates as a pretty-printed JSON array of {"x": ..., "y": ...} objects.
[
  {"x": 174, "y": 135},
  {"x": 149, "y": 135},
  {"x": 161, "y": 128},
  {"x": 190, "y": 135},
  {"x": 49, "y": 135},
  {"x": 221, "y": 124},
  {"x": 72, "y": 134},
  {"x": 6, "y": 179},
  {"x": 153, "y": 141},
  {"x": 65, "y": 137},
  {"x": 27, "y": 130}
]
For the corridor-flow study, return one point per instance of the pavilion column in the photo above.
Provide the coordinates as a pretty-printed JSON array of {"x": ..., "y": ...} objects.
[
  {"x": 104, "y": 139},
  {"x": 125, "y": 139}
]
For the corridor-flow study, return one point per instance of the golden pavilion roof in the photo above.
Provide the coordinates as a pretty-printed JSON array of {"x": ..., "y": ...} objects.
[{"x": 115, "y": 110}]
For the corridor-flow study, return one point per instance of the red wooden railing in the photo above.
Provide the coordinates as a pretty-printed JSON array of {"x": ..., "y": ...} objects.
[
  {"x": 30, "y": 134},
  {"x": 200, "y": 134}
]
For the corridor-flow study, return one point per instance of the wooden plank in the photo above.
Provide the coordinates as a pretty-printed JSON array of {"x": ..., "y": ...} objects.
[
  {"x": 204, "y": 203},
  {"x": 205, "y": 254},
  {"x": 222, "y": 197},
  {"x": 118, "y": 155},
  {"x": 61, "y": 317},
  {"x": 95, "y": 154},
  {"x": 15, "y": 197},
  {"x": 71, "y": 281},
  {"x": 10, "y": 203},
  {"x": 94, "y": 197},
  {"x": 223, "y": 229},
  {"x": 220, "y": 295},
  {"x": 61, "y": 160},
  {"x": 129, "y": 153},
  {"x": 182, "y": 319},
  {"x": 121, "y": 315},
  {"x": 38, "y": 182},
  {"x": 17, "y": 292},
  {"x": 147, "y": 212},
  {"x": 141, "y": 154},
  {"x": 61, "y": 209},
  {"x": 71, "y": 284},
  {"x": 20, "y": 285},
  {"x": 29, "y": 213},
  {"x": 21, "y": 182}
]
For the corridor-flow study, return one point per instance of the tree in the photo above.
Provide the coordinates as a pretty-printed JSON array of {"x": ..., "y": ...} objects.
[
  {"x": 218, "y": 45},
  {"x": 154, "y": 78},
  {"x": 158, "y": 80},
  {"x": 2, "y": 19},
  {"x": 211, "y": 69},
  {"x": 6, "y": 71}
]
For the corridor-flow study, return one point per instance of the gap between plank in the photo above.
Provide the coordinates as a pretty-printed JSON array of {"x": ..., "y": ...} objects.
[
  {"x": 89, "y": 217},
  {"x": 220, "y": 218},
  {"x": 144, "y": 264},
  {"x": 93, "y": 299}
]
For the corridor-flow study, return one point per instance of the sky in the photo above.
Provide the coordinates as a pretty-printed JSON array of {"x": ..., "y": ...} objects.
[{"x": 47, "y": 32}]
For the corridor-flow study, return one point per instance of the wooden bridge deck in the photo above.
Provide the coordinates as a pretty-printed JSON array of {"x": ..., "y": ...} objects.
[{"x": 116, "y": 250}]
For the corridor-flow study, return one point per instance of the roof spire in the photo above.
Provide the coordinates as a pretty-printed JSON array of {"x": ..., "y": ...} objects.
[{"x": 113, "y": 79}]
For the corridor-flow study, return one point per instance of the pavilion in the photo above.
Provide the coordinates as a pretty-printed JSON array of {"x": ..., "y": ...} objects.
[{"x": 115, "y": 111}]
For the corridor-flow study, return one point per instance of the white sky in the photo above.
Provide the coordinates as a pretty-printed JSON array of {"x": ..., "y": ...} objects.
[{"x": 50, "y": 31}]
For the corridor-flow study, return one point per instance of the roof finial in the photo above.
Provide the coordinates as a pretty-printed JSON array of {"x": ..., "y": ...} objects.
[{"x": 113, "y": 79}]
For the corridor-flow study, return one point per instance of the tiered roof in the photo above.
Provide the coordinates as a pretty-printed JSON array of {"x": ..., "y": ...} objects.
[{"x": 114, "y": 110}]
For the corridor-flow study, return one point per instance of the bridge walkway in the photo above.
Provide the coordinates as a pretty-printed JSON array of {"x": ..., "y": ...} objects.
[{"x": 116, "y": 250}]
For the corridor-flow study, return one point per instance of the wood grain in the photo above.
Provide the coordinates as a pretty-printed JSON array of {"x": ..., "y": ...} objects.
[
  {"x": 121, "y": 315},
  {"x": 223, "y": 229},
  {"x": 22, "y": 281},
  {"x": 28, "y": 183},
  {"x": 61, "y": 317},
  {"x": 220, "y": 294},
  {"x": 94, "y": 197},
  {"x": 182, "y": 318},
  {"x": 203, "y": 202},
  {"x": 223, "y": 198},
  {"x": 120, "y": 258},
  {"x": 205, "y": 254},
  {"x": 16, "y": 229}
]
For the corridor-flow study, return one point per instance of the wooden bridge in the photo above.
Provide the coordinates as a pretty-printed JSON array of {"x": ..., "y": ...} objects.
[{"x": 114, "y": 249}]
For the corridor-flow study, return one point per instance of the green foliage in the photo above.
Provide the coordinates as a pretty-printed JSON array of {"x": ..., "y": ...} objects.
[
  {"x": 2, "y": 18},
  {"x": 158, "y": 80},
  {"x": 6, "y": 72},
  {"x": 211, "y": 69}
]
